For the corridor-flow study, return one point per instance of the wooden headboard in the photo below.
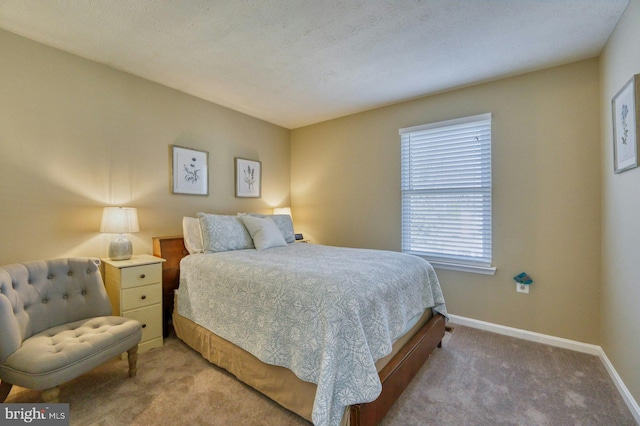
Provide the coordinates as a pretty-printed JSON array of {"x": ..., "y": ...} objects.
[{"x": 171, "y": 249}]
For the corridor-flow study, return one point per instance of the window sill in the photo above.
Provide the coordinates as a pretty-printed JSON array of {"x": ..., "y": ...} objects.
[{"x": 484, "y": 270}]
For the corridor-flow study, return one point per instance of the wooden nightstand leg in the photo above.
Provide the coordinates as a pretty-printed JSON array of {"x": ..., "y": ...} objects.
[{"x": 132, "y": 356}]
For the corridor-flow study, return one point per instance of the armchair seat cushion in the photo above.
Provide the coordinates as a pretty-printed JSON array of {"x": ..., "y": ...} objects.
[{"x": 64, "y": 352}]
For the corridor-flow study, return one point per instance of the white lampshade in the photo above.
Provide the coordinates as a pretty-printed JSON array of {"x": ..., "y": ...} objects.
[
  {"x": 118, "y": 220},
  {"x": 283, "y": 210}
]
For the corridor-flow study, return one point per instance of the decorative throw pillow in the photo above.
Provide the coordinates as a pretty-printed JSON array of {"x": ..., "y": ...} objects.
[
  {"x": 223, "y": 233},
  {"x": 264, "y": 232},
  {"x": 284, "y": 224},
  {"x": 192, "y": 235}
]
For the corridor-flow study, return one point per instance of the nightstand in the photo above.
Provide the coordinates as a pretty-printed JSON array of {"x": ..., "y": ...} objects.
[{"x": 134, "y": 287}]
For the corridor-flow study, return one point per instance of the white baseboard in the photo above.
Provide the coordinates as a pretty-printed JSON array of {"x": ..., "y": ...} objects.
[
  {"x": 560, "y": 343},
  {"x": 624, "y": 391}
]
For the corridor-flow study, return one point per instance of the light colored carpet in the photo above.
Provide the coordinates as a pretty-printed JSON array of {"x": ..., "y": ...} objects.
[
  {"x": 482, "y": 378},
  {"x": 477, "y": 378}
]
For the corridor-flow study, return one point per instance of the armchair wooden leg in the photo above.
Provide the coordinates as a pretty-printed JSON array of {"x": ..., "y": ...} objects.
[
  {"x": 51, "y": 395},
  {"x": 5, "y": 388},
  {"x": 132, "y": 355}
]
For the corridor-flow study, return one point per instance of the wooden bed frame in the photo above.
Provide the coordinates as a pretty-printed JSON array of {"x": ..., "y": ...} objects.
[{"x": 395, "y": 376}]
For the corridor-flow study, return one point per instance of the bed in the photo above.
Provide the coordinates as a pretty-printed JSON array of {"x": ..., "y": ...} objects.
[{"x": 315, "y": 340}]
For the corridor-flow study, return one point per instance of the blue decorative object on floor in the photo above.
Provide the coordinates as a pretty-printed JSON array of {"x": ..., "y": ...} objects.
[{"x": 523, "y": 278}]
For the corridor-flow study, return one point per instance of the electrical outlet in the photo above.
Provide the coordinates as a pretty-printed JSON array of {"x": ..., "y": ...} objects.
[{"x": 522, "y": 288}]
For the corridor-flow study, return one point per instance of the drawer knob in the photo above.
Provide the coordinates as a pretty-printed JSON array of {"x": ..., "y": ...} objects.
[
  {"x": 144, "y": 325},
  {"x": 142, "y": 276},
  {"x": 143, "y": 297}
]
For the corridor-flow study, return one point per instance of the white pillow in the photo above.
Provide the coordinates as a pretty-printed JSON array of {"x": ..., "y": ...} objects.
[
  {"x": 284, "y": 224},
  {"x": 264, "y": 231},
  {"x": 192, "y": 235}
]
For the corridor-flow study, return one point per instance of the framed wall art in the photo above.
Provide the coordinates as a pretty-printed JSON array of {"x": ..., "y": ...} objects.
[
  {"x": 248, "y": 178},
  {"x": 189, "y": 171},
  {"x": 625, "y": 107}
]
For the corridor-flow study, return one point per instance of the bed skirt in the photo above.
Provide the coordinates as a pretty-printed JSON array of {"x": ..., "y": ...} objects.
[{"x": 278, "y": 383}]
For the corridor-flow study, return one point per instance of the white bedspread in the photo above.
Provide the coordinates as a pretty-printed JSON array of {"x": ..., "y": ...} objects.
[{"x": 326, "y": 313}]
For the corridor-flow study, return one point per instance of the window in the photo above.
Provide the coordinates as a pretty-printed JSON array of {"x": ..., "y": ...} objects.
[{"x": 446, "y": 193}]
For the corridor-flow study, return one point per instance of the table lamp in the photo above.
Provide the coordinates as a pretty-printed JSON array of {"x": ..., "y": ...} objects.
[
  {"x": 282, "y": 210},
  {"x": 119, "y": 220}
]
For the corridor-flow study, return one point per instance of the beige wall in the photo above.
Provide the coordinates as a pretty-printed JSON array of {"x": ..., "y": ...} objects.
[
  {"x": 345, "y": 191},
  {"x": 76, "y": 136},
  {"x": 620, "y": 294}
]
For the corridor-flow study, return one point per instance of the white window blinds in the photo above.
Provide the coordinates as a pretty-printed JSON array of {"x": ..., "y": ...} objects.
[{"x": 446, "y": 191}]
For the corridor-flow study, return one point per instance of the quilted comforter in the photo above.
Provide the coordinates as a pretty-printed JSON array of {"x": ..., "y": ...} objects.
[{"x": 326, "y": 313}]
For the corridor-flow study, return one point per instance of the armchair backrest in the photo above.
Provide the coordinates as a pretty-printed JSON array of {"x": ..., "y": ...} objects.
[{"x": 35, "y": 296}]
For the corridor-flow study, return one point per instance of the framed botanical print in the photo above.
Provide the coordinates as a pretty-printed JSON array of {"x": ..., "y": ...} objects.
[
  {"x": 248, "y": 178},
  {"x": 189, "y": 171},
  {"x": 625, "y": 107}
]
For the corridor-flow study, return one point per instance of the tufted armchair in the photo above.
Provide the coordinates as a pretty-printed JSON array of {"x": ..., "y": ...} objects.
[{"x": 56, "y": 324}]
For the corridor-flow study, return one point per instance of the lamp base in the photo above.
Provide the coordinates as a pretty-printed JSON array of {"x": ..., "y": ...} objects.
[{"x": 120, "y": 248}]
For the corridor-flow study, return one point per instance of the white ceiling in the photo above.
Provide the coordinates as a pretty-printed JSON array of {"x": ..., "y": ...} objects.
[{"x": 298, "y": 62}]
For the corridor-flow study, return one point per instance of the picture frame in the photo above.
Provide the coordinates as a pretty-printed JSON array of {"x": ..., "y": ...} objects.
[
  {"x": 189, "y": 171},
  {"x": 625, "y": 107},
  {"x": 248, "y": 178}
]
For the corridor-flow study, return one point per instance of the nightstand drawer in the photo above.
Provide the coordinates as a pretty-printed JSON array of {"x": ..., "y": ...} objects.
[
  {"x": 151, "y": 320},
  {"x": 149, "y": 344},
  {"x": 141, "y": 275},
  {"x": 139, "y": 297}
]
